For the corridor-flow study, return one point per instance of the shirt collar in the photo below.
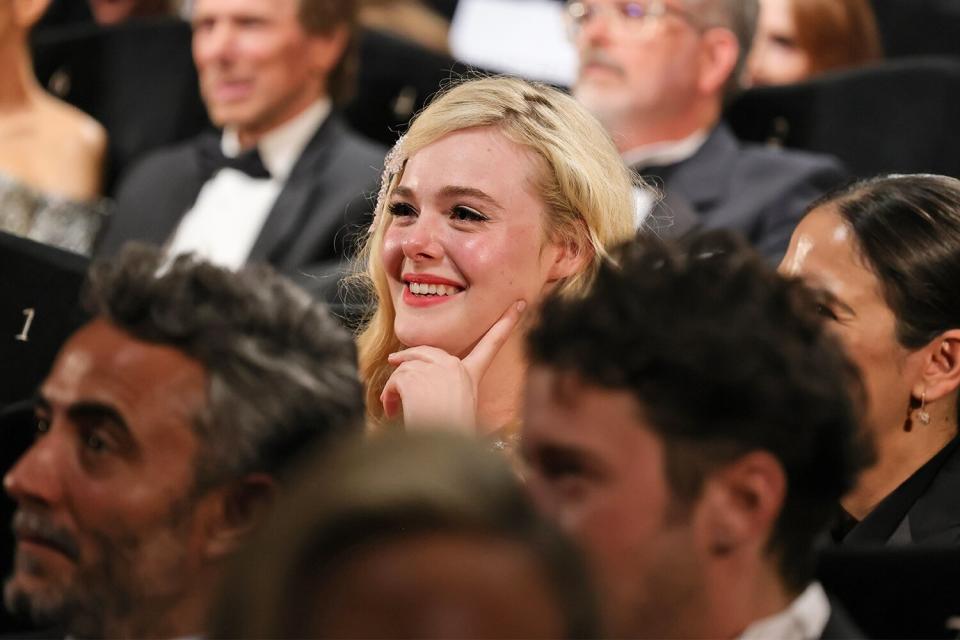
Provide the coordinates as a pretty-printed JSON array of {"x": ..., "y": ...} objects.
[
  {"x": 281, "y": 147},
  {"x": 804, "y": 619},
  {"x": 665, "y": 153}
]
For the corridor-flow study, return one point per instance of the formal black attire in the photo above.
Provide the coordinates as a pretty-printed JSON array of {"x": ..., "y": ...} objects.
[{"x": 759, "y": 191}]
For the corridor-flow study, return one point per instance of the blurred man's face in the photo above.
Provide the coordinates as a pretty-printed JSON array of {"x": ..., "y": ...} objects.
[
  {"x": 106, "y": 520},
  {"x": 635, "y": 67},
  {"x": 600, "y": 471},
  {"x": 115, "y": 11},
  {"x": 443, "y": 584},
  {"x": 258, "y": 67}
]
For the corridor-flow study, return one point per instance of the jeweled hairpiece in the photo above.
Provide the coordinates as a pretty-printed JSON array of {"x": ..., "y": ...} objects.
[{"x": 392, "y": 166}]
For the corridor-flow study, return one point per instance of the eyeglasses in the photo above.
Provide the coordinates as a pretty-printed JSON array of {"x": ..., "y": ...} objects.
[{"x": 625, "y": 14}]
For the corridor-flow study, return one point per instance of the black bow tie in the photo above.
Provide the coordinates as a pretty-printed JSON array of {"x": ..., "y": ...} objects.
[{"x": 212, "y": 159}]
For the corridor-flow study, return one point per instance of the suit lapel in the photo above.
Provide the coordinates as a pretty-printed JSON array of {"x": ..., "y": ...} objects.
[
  {"x": 704, "y": 178},
  {"x": 181, "y": 194},
  {"x": 293, "y": 205}
]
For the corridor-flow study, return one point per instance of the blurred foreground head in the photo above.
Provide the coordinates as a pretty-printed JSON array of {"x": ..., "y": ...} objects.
[
  {"x": 689, "y": 421},
  {"x": 108, "y": 12},
  {"x": 162, "y": 429},
  {"x": 419, "y": 536}
]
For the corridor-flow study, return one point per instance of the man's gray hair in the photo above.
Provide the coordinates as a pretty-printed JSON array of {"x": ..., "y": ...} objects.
[
  {"x": 281, "y": 373},
  {"x": 739, "y": 16}
]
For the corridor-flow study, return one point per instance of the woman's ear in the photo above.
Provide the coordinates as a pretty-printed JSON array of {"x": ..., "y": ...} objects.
[
  {"x": 569, "y": 257},
  {"x": 28, "y": 12},
  {"x": 941, "y": 371}
]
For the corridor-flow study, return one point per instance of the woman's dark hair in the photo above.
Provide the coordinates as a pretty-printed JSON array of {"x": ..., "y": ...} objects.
[
  {"x": 907, "y": 229},
  {"x": 837, "y": 34}
]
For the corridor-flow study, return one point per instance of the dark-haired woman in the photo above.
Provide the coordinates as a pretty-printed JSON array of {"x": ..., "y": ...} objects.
[{"x": 886, "y": 253}]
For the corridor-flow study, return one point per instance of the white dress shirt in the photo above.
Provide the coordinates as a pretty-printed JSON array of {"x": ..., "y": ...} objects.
[
  {"x": 232, "y": 207},
  {"x": 804, "y": 619}
]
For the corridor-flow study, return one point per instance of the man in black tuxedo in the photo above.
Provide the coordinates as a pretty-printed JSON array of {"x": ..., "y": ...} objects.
[
  {"x": 162, "y": 432},
  {"x": 689, "y": 422},
  {"x": 656, "y": 73},
  {"x": 286, "y": 182}
]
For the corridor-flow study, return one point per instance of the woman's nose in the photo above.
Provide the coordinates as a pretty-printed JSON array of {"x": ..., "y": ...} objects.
[{"x": 422, "y": 240}]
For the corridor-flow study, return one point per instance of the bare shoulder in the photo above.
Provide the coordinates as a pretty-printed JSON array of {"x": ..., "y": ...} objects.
[
  {"x": 78, "y": 133},
  {"x": 80, "y": 144}
]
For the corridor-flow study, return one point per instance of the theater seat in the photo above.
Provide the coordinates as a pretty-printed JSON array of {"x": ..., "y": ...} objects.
[
  {"x": 896, "y": 592},
  {"x": 900, "y": 116},
  {"x": 396, "y": 79},
  {"x": 39, "y": 295},
  {"x": 918, "y": 27},
  {"x": 39, "y": 308}
]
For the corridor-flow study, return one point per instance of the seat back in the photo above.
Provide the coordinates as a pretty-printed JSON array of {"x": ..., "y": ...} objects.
[
  {"x": 136, "y": 78},
  {"x": 39, "y": 308},
  {"x": 898, "y": 117},
  {"x": 918, "y": 27},
  {"x": 896, "y": 592}
]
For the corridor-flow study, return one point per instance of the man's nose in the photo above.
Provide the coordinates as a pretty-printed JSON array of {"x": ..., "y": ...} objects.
[
  {"x": 36, "y": 475},
  {"x": 213, "y": 43},
  {"x": 596, "y": 28}
]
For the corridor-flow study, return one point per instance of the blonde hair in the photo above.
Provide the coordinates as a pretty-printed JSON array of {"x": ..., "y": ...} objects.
[{"x": 581, "y": 179}]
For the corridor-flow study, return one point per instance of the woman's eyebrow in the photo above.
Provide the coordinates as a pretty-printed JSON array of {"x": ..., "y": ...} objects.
[
  {"x": 403, "y": 192},
  {"x": 454, "y": 191}
]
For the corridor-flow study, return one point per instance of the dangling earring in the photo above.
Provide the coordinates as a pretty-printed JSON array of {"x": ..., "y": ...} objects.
[{"x": 922, "y": 415}]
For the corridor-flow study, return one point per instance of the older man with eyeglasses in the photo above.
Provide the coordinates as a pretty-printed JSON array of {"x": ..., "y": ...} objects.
[{"x": 656, "y": 73}]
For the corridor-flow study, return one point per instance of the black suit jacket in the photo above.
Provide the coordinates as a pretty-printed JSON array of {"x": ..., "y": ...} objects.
[
  {"x": 840, "y": 626},
  {"x": 310, "y": 227},
  {"x": 759, "y": 191},
  {"x": 925, "y": 509}
]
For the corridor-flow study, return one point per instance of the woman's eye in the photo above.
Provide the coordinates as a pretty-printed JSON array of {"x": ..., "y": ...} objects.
[
  {"x": 784, "y": 42},
  {"x": 401, "y": 209},
  {"x": 466, "y": 214}
]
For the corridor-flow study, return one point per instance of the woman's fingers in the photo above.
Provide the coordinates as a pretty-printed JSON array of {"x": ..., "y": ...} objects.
[
  {"x": 425, "y": 354},
  {"x": 479, "y": 359},
  {"x": 431, "y": 387},
  {"x": 391, "y": 400}
]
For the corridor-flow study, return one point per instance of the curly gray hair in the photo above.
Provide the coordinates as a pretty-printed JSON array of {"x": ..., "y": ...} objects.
[{"x": 282, "y": 374}]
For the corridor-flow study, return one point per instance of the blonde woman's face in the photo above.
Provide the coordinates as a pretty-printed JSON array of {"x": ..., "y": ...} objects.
[{"x": 466, "y": 239}]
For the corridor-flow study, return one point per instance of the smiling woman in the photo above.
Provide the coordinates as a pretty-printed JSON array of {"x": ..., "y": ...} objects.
[{"x": 501, "y": 192}]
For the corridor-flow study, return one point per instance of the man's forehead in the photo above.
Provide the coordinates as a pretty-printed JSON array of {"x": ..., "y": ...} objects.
[
  {"x": 560, "y": 403},
  {"x": 272, "y": 7},
  {"x": 101, "y": 361}
]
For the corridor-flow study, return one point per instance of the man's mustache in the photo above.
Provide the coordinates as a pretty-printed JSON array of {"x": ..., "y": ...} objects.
[
  {"x": 597, "y": 57},
  {"x": 34, "y": 526}
]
